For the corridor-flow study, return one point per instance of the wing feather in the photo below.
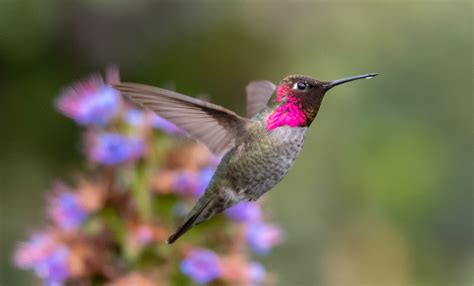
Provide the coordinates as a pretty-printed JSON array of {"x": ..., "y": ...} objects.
[
  {"x": 217, "y": 127},
  {"x": 258, "y": 94}
]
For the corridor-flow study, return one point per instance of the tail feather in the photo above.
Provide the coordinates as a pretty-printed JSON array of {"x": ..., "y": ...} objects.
[
  {"x": 190, "y": 222},
  {"x": 182, "y": 229}
]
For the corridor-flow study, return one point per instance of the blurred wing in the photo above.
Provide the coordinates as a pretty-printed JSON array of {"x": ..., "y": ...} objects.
[
  {"x": 216, "y": 127},
  {"x": 258, "y": 94}
]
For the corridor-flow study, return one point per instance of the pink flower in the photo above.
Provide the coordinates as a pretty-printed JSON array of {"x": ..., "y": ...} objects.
[
  {"x": 263, "y": 237},
  {"x": 36, "y": 249},
  {"x": 144, "y": 234},
  {"x": 49, "y": 259},
  {"x": 236, "y": 270}
]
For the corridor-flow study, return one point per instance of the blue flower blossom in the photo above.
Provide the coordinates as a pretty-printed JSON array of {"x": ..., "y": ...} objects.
[
  {"x": 188, "y": 183},
  {"x": 92, "y": 102},
  {"x": 113, "y": 148},
  {"x": 245, "y": 212},
  {"x": 66, "y": 209},
  {"x": 201, "y": 265},
  {"x": 256, "y": 273},
  {"x": 135, "y": 117},
  {"x": 54, "y": 269},
  {"x": 263, "y": 237}
]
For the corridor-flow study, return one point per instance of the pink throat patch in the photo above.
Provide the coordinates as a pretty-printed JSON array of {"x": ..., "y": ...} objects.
[
  {"x": 282, "y": 91},
  {"x": 289, "y": 113}
]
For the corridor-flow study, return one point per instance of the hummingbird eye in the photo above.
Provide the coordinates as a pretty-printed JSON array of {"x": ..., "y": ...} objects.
[{"x": 301, "y": 85}]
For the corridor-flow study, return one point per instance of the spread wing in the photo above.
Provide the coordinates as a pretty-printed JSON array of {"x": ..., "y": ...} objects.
[
  {"x": 258, "y": 94},
  {"x": 216, "y": 127}
]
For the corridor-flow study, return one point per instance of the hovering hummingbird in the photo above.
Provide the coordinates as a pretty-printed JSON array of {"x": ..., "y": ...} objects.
[{"x": 258, "y": 149}]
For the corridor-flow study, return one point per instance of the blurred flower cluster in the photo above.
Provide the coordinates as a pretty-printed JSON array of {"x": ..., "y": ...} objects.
[{"x": 109, "y": 226}]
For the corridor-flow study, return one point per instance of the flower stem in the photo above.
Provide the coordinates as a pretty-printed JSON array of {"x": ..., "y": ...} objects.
[{"x": 141, "y": 191}]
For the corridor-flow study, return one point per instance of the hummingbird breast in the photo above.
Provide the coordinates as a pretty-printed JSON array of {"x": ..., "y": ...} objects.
[{"x": 261, "y": 160}]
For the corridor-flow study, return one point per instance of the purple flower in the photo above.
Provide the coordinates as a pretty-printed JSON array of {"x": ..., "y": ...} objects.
[
  {"x": 66, "y": 209},
  {"x": 245, "y": 212},
  {"x": 54, "y": 269},
  {"x": 113, "y": 148},
  {"x": 263, "y": 237},
  {"x": 35, "y": 250},
  {"x": 92, "y": 101},
  {"x": 193, "y": 184},
  {"x": 185, "y": 183},
  {"x": 201, "y": 265},
  {"x": 49, "y": 260},
  {"x": 256, "y": 273},
  {"x": 135, "y": 117}
]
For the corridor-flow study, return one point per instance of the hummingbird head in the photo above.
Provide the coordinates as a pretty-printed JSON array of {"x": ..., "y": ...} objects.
[{"x": 297, "y": 99}]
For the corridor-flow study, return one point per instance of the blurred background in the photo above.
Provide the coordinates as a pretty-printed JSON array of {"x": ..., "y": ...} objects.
[{"x": 382, "y": 192}]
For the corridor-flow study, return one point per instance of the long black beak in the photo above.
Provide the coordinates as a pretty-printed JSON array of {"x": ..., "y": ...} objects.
[{"x": 348, "y": 79}]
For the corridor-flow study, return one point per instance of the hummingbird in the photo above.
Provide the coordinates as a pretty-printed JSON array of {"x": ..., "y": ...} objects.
[{"x": 258, "y": 149}]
